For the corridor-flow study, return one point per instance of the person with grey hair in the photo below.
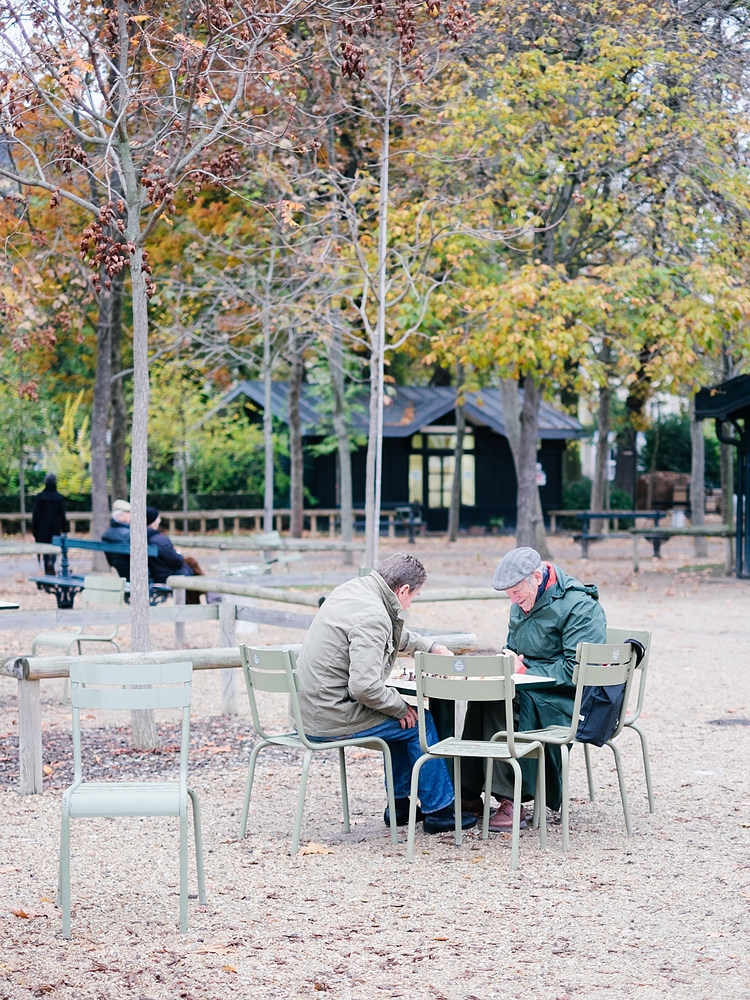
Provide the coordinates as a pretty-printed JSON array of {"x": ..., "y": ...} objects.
[
  {"x": 550, "y": 614},
  {"x": 346, "y": 657}
]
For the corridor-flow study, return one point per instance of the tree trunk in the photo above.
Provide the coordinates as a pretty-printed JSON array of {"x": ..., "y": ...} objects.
[
  {"x": 342, "y": 441},
  {"x": 99, "y": 421},
  {"x": 512, "y": 417},
  {"x": 527, "y": 503},
  {"x": 267, "y": 429},
  {"x": 698, "y": 479},
  {"x": 183, "y": 474},
  {"x": 599, "y": 491},
  {"x": 454, "y": 512},
  {"x": 374, "y": 475},
  {"x": 726, "y": 456},
  {"x": 118, "y": 474},
  {"x": 296, "y": 459},
  {"x": 21, "y": 469},
  {"x": 652, "y": 470},
  {"x": 143, "y": 725}
]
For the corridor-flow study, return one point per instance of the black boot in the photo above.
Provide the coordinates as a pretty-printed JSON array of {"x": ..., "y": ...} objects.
[
  {"x": 402, "y": 813},
  {"x": 444, "y": 820}
]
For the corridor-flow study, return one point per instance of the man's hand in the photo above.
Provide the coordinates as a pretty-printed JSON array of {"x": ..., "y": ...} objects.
[
  {"x": 409, "y": 721},
  {"x": 519, "y": 665},
  {"x": 440, "y": 650}
]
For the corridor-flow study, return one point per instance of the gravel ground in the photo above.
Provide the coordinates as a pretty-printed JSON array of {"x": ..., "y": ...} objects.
[{"x": 662, "y": 914}]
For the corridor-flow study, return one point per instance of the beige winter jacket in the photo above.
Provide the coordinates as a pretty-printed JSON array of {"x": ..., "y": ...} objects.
[{"x": 347, "y": 655}]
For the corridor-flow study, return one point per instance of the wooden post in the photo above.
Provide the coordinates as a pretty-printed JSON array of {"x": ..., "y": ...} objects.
[
  {"x": 180, "y": 597},
  {"x": 313, "y": 525},
  {"x": 236, "y": 527},
  {"x": 227, "y": 625},
  {"x": 391, "y": 525},
  {"x": 29, "y": 738},
  {"x": 635, "y": 553},
  {"x": 221, "y": 524}
]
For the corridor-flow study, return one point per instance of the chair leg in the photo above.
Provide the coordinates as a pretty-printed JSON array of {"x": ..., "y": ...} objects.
[
  {"x": 589, "y": 772},
  {"x": 301, "y": 801},
  {"x": 646, "y": 767},
  {"x": 249, "y": 786},
  {"x": 197, "y": 831},
  {"x": 64, "y": 876},
  {"x": 516, "y": 813},
  {"x": 413, "y": 805},
  {"x": 565, "y": 812},
  {"x": 489, "y": 765},
  {"x": 183, "y": 872},
  {"x": 116, "y": 645},
  {"x": 344, "y": 790},
  {"x": 540, "y": 798},
  {"x": 457, "y": 799},
  {"x": 388, "y": 767},
  {"x": 623, "y": 790}
]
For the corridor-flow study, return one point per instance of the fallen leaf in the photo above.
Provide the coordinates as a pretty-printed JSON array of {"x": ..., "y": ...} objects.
[
  {"x": 20, "y": 913},
  {"x": 228, "y": 968},
  {"x": 312, "y": 848},
  {"x": 47, "y": 770},
  {"x": 440, "y": 939},
  {"x": 217, "y": 949},
  {"x": 321, "y": 987}
]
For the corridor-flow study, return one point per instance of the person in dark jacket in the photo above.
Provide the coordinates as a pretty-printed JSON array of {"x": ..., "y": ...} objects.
[
  {"x": 550, "y": 614},
  {"x": 48, "y": 518},
  {"x": 168, "y": 562},
  {"x": 119, "y": 531}
]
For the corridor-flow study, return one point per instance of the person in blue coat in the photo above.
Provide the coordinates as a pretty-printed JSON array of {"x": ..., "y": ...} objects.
[{"x": 168, "y": 562}]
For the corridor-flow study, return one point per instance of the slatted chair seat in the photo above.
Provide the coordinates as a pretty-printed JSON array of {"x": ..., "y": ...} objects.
[
  {"x": 133, "y": 686},
  {"x": 474, "y": 678},
  {"x": 455, "y": 747}
]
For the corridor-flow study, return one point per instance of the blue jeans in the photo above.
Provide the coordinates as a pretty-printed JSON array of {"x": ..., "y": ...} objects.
[{"x": 435, "y": 785}]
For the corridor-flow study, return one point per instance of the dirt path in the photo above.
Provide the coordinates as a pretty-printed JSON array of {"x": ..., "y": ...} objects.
[{"x": 662, "y": 914}]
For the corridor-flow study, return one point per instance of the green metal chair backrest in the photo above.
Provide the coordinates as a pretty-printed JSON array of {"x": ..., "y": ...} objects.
[
  {"x": 620, "y": 635},
  {"x": 117, "y": 687},
  {"x": 103, "y": 590},
  {"x": 275, "y": 671},
  {"x": 464, "y": 678},
  {"x": 602, "y": 665}
]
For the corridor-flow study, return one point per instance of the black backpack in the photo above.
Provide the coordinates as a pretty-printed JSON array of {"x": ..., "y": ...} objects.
[{"x": 601, "y": 707}]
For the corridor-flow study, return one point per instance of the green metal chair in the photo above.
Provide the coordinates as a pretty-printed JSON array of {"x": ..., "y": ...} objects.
[
  {"x": 96, "y": 590},
  {"x": 601, "y": 665},
  {"x": 276, "y": 671},
  {"x": 474, "y": 678},
  {"x": 631, "y": 720},
  {"x": 106, "y": 687}
]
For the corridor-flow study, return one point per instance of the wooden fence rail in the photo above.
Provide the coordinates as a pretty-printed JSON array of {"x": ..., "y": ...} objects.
[
  {"x": 229, "y": 519},
  {"x": 28, "y": 671}
]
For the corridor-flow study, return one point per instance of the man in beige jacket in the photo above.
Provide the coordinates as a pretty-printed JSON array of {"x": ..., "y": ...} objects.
[{"x": 347, "y": 655}]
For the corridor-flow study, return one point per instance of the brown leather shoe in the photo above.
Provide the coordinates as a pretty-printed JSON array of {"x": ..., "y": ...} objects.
[{"x": 502, "y": 821}]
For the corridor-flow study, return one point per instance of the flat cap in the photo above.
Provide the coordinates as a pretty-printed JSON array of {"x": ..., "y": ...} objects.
[
  {"x": 515, "y": 566},
  {"x": 122, "y": 505}
]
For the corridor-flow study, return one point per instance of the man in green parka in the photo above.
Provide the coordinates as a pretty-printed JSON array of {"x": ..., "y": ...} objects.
[{"x": 550, "y": 614}]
